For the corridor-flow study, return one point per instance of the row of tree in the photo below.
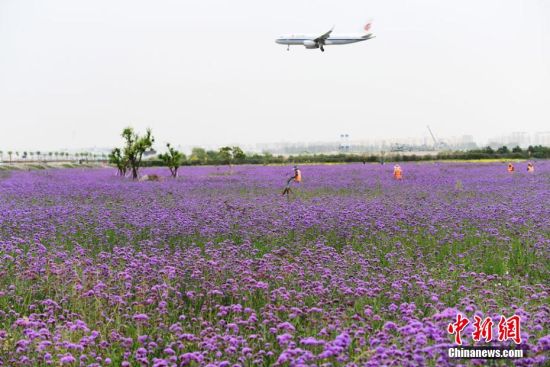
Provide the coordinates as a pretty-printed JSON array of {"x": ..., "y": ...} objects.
[
  {"x": 25, "y": 156},
  {"x": 234, "y": 155},
  {"x": 129, "y": 158}
]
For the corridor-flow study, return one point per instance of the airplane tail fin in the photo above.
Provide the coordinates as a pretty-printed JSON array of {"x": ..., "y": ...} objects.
[{"x": 368, "y": 26}]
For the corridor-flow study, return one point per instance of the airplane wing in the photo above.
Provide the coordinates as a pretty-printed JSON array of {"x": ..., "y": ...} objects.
[{"x": 323, "y": 37}]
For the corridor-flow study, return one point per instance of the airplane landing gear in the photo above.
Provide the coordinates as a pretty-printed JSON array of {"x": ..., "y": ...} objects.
[
  {"x": 288, "y": 47},
  {"x": 322, "y": 48}
]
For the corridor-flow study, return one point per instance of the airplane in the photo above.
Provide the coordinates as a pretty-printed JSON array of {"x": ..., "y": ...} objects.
[{"x": 311, "y": 41}]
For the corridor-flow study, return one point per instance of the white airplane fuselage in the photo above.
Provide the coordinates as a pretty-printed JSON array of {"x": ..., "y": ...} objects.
[
  {"x": 308, "y": 40},
  {"x": 325, "y": 39}
]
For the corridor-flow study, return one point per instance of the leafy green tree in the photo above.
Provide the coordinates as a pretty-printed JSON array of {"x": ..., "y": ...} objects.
[
  {"x": 488, "y": 150},
  {"x": 517, "y": 149},
  {"x": 226, "y": 155},
  {"x": 503, "y": 150},
  {"x": 198, "y": 156},
  {"x": 238, "y": 154},
  {"x": 10, "y": 154},
  {"x": 116, "y": 158},
  {"x": 173, "y": 159},
  {"x": 539, "y": 151},
  {"x": 212, "y": 157},
  {"x": 267, "y": 157},
  {"x": 134, "y": 148}
]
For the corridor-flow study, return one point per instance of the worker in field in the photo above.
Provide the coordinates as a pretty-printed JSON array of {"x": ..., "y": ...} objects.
[
  {"x": 511, "y": 167},
  {"x": 297, "y": 177},
  {"x": 530, "y": 167},
  {"x": 397, "y": 172}
]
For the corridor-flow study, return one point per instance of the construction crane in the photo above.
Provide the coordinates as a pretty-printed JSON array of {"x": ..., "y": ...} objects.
[
  {"x": 437, "y": 144},
  {"x": 433, "y": 136}
]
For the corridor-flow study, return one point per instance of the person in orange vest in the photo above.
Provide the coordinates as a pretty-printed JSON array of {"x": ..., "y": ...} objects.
[
  {"x": 296, "y": 178},
  {"x": 511, "y": 168},
  {"x": 530, "y": 167},
  {"x": 397, "y": 172}
]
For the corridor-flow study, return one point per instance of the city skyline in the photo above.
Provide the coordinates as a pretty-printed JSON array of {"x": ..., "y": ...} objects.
[{"x": 339, "y": 144}]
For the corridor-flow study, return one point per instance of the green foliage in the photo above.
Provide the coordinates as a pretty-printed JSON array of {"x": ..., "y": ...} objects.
[
  {"x": 198, "y": 156},
  {"x": 226, "y": 155},
  {"x": 538, "y": 151},
  {"x": 238, "y": 154},
  {"x": 212, "y": 157},
  {"x": 129, "y": 156},
  {"x": 116, "y": 158},
  {"x": 135, "y": 146},
  {"x": 173, "y": 159},
  {"x": 503, "y": 150},
  {"x": 232, "y": 155}
]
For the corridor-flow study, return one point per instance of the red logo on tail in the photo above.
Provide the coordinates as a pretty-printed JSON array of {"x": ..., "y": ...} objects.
[{"x": 367, "y": 27}]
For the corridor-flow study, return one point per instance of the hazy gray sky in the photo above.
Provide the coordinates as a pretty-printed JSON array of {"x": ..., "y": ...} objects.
[{"x": 208, "y": 72}]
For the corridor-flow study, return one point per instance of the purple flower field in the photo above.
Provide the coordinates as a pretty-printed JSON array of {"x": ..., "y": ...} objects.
[{"x": 216, "y": 268}]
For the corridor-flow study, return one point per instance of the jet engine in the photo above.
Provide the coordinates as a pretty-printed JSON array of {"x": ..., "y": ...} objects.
[{"x": 310, "y": 44}]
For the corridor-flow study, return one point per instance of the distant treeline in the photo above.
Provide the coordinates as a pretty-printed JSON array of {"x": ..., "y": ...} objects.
[{"x": 201, "y": 156}]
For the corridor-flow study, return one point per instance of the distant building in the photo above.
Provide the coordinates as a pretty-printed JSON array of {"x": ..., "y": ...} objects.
[
  {"x": 516, "y": 138},
  {"x": 542, "y": 138}
]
